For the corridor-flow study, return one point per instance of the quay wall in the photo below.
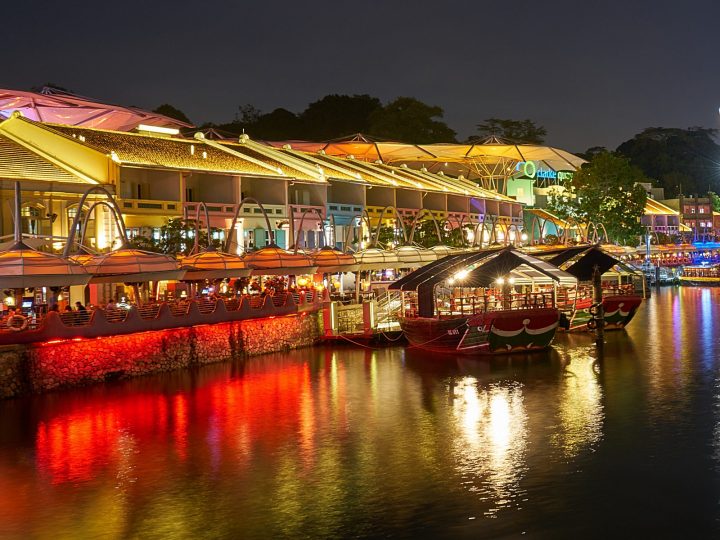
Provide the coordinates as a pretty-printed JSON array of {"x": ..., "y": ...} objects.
[{"x": 37, "y": 368}]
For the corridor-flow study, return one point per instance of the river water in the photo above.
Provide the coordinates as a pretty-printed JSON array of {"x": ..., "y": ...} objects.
[{"x": 354, "y": 442}]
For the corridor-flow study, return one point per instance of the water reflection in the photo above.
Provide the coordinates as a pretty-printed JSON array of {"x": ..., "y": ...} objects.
[
  {"x": 491, "y": 441},
  {"x": 580, "y": 409},
  {"x": 337, "y": 442}
]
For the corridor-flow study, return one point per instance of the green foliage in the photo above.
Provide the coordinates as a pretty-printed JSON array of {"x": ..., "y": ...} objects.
[
  {"x": 714, "y": 200},
  {"x": 605, "y": 191},
  {"x": 168, "y": 110},
  {"x": 521, "y": 131},
  {"x": 408, "y": 120},
  {"x": 681, "y": 160},
  {"x": 177, "y": 237},
  {"x": 335, "y": 116}
]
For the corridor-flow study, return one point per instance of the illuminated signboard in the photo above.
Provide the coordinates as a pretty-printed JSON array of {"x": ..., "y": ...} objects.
[{"x": 530, "y": 169}]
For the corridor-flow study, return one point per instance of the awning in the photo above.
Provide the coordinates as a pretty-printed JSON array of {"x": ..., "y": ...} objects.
[
  {"x": 22, "y": 267},
  {"x": 214, "y": 265},
  {"x": 274, "y": 261},
  {"x": 330, "y": 260},
  {"x": 132, "y": 266}
]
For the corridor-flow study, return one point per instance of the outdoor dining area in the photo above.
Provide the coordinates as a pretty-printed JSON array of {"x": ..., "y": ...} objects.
[{"x": 85, "y": 293}]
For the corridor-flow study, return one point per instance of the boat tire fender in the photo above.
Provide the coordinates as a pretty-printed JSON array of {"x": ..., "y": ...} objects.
[{"x": 12, "y": 320}]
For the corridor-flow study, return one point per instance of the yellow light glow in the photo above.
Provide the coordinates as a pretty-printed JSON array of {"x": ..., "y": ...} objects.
[{"x": 158, "y": 129}]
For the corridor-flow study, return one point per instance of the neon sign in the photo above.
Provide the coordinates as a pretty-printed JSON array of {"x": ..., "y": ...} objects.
[{"x": 529, "y": 169}]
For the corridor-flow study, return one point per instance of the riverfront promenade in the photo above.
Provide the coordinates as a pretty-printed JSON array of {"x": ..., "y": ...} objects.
[{"x": 352, "y": 441}]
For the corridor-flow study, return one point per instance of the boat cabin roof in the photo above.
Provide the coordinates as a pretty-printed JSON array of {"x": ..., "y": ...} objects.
[{"x": 581, "y": 263}]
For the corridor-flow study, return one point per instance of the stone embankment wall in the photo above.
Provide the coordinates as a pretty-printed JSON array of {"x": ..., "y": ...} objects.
[{"x": 26, "y": 369}]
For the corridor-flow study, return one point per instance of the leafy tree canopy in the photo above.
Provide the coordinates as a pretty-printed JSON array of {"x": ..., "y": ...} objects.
[
  {"x": 605, "y": 191},
  {"x": 335, "y": 116},
  {"x": 177, "y": 237},
  {"x": 338, "y": 115},
  {"x": 521, "y": 131},
  {"x": 410, "y": 120},
  {"x": 680, "y": 160},
  {"x": 168, "y": 110}
]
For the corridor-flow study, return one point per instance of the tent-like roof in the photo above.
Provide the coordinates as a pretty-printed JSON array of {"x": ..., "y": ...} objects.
[
  {"x": 489, "y": 158},
  {"x": 132, "y": 266},
  {"x": 435, "y": 272},
  {"x": 53, "y": 106},
  {"x": 377, "y": 259},
  {"x": 653, "y": 207},
  {"x": 581, "y": 262},
  {"x": 330, "y": 260},
  {"x": 214, "y": 265},
  {"x": 413, "y": 256},
  {"x": 274, "y": 261},
  {"x": 137, "y": 149},
  {"x": 22, "y": 267}
]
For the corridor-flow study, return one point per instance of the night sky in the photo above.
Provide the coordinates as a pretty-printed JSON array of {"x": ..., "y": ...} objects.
[{"x": 592, "y": 73}]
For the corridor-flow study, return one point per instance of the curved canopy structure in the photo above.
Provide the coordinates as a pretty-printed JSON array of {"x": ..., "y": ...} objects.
[
  {"x": 414, "y": 256},
  {"x": 57, "y": 107},
  {"x": 214, "y": 265},
  {"x": 377, "y": 259},
  {"x": 330, "y": 260},
  {"x": 22, "y": 267},
  {"x": 489, "y": 159},
  {"x": 132, "y": 266},
  {"x": 274, "y": 261}
]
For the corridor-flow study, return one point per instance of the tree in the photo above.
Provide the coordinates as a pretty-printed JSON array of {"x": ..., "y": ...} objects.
[
  {"x": 605, "y": 191},
  {"x": 681, "y": 160},
  {"x": 168, "y": 110},
  {"x": 521, "y": 131},
  {"x": 177, "y": 237},
  {"x": 592, "y": 152},
  {"x": 409, "y": 120},
  {"x": 337, "y": 116}
]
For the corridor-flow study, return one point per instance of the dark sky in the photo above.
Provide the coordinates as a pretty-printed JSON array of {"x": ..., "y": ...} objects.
[{"x": 592, "y": 72}]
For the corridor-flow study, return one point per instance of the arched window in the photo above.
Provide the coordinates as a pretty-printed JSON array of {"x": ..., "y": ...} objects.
[
  {"x": 90, "y": 232},
  {"x": 34, "y": 220}
]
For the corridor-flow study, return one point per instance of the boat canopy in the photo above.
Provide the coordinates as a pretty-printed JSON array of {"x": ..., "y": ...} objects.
[
  {"x": 511, "y": 264},
  {"x": 582, "y": 263},
  {"x": 480, "y": 269},
  {"x": 437, "y": 271}
]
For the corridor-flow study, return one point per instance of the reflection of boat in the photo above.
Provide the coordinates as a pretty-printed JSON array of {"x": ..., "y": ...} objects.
[
  {"x": 623, "y": 288},
  {"x": 658, "y": 275},
  {"x": 701, "y": 275},
  {"x": 484, "y": 302}
]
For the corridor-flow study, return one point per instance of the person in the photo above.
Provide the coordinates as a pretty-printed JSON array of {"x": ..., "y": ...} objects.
[
  {"x": 55, "y": 307},
  {"x": 111, "y": 305},
  {"x": 82, "y": 314},
  {"x": 68, "y": 308}
]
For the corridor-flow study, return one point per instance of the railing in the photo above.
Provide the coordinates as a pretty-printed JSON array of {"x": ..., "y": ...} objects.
[
  {"x": 150, "y": 316},
  {"x": 150, "y": 206},
  {"x": 474, "y": 305}
]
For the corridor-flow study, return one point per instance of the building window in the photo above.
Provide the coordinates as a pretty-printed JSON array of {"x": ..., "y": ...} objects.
[
  {"x": 701, "y": 210},
  {"x": 32, "y": 220}
]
